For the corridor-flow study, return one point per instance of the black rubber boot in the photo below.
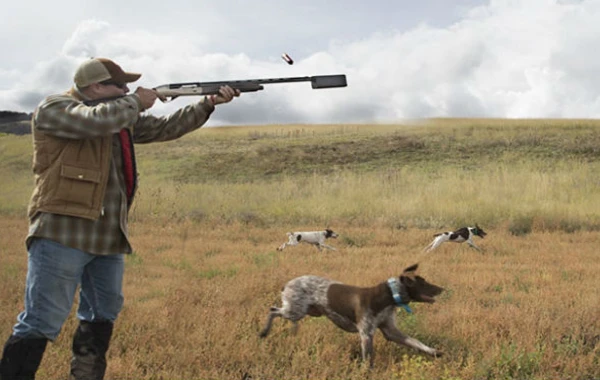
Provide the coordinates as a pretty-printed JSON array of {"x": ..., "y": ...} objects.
[
  {"x": 21, "y": 358},
  {"x": 90, "y": 344}
]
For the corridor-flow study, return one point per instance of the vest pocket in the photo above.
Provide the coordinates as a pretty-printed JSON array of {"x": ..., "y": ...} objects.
[{"x": 78, "y": 185}]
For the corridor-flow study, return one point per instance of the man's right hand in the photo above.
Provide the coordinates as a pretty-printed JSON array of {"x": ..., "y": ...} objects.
[{"x": 147, "y": 97}]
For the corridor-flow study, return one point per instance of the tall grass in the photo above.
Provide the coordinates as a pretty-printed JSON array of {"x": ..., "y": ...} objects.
[
  {"x": 198, "y": 293},
  {"x": 565, "y": 197}
]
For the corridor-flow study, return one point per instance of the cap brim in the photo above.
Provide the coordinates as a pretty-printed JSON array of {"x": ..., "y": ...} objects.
[{"x": 130, "y": 77}]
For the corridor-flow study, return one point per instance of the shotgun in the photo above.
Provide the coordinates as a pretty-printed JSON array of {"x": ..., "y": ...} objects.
[{"x": 174, "y": 90}]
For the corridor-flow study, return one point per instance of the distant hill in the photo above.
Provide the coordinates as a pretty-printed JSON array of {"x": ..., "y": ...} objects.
[
  {"x": 11, "y": 116},
  {"x": 15, "y": 122}
]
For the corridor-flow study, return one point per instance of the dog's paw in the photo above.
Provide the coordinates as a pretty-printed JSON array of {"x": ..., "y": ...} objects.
[{"x": 438, "y": 354}]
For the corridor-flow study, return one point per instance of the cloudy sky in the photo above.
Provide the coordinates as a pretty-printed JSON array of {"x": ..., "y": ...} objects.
[{"x": 403, "y": 59}]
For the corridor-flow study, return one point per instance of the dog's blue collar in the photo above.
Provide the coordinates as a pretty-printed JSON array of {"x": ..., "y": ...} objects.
[{"x": 395, "y": 288}]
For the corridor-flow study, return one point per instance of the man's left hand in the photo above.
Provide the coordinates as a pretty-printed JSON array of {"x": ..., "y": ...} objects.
[{"x": 225, "y": 95}]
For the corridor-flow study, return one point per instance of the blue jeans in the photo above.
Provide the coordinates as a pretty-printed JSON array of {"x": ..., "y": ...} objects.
[{"x": 53, "y": 274}]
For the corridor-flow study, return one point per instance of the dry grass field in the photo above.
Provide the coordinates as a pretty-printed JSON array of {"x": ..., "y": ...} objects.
[{"x": 214, "y": 206}]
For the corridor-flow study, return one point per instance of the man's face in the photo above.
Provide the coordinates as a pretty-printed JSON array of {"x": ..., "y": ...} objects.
[{"x": 109, "y": 90}]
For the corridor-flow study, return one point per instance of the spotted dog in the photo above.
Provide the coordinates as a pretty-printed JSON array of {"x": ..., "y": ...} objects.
[
  {"x": 316, "y": 238},
  {"x": 355, "y": 309},
  {"x": 462, "y": 235}
]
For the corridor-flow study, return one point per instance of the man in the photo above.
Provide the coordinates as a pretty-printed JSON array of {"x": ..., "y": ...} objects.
[{"x": 85, "y": 181}]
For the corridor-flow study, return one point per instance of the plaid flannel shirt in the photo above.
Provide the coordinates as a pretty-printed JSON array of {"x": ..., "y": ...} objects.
[{"x": 65, "y": 119}]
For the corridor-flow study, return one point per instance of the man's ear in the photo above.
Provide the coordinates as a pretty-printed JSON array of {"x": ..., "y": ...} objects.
[{"x": 92, "y": 90}]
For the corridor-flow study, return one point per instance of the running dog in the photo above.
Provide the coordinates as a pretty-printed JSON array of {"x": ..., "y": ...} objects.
[
  {"x": 462, "y": 235},
  {"x": 354, "y": 309},
  {"x": 316, "y": 238}
]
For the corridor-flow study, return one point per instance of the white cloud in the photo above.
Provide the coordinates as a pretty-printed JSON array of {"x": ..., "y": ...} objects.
[{"x": 508, "y": 58}]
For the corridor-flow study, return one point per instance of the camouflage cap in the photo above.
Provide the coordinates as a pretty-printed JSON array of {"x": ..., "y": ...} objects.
[{"x": 96, "y": 70}]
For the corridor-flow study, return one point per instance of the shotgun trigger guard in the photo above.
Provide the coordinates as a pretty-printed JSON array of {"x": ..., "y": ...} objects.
[{"x": 169, "y": 99}]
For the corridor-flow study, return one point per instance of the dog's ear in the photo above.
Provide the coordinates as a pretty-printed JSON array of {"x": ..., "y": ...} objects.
[
  {"x": 408, "y": 276},
  {"x": 479, "y": 231},
  {"x": 412, "y": 268}
]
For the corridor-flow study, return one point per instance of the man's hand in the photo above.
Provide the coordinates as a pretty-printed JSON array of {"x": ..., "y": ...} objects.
[
  {"x": 147, "y": 96},
  {"x": 226, "y": 94}
]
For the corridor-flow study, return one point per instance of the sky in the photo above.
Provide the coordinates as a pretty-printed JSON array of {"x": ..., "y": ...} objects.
[{"x": 402, "y": 59}]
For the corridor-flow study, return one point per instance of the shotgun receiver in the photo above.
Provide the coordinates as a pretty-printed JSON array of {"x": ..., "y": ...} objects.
[{"x": 174, "y": 90}]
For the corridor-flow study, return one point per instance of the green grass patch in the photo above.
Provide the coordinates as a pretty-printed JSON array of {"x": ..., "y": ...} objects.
[{"x": 526, "y": 175}]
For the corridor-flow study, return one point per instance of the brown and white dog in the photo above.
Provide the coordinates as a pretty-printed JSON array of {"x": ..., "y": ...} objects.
[
  {"x": 316, "y": 238},
  {"x": 356, "y": 309}
]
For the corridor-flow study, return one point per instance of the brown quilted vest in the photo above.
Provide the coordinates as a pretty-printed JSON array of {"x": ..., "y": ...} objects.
[{"x": 70, "y": 175}]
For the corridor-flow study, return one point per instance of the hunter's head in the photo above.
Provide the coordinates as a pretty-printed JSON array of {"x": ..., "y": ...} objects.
[{"x": 98, "y": 78}]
